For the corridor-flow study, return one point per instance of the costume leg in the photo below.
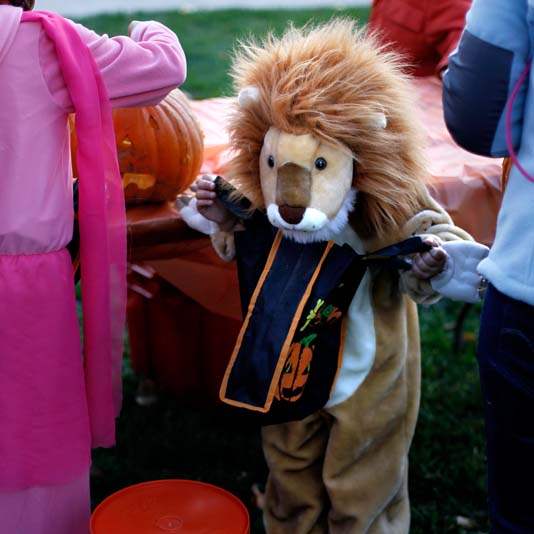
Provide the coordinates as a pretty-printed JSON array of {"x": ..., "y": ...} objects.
[
  {"x": 506, "y": 360},
  {"x": 366, "y": 461},
  {"x": 296, "y": 501},
  {"x": 61, "y": 509}
]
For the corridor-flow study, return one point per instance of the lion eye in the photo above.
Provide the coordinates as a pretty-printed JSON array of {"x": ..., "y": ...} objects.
[
  {"x": 270, "y": 161},
  {"x": 320, "y": 164}
]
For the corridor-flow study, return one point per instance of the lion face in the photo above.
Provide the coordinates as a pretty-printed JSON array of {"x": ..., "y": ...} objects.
[{"x": 306, "y": 185}]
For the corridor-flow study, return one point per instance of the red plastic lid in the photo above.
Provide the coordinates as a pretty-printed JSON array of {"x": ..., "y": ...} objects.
[{"x": 168, "y": 506}]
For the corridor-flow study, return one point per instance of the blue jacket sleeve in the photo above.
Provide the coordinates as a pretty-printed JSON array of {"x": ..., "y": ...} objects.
[{"x": 491, "y": 56}]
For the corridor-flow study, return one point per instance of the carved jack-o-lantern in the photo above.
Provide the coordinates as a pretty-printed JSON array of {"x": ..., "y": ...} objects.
[
  {"x": 296, "y": 373},
  {"x": 160, "y": 149}
]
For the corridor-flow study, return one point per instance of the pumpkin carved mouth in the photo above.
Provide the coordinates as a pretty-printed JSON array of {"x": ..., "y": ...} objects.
[
  {"x": 160, "y": 149},
  {"x": 292, "y": 395}
]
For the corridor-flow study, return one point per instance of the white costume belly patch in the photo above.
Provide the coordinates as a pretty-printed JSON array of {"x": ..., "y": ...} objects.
[{"x": 360, "y": 339}]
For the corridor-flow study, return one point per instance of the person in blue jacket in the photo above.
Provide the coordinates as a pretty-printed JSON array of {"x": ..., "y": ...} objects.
[{"x": 489, "y": 110}]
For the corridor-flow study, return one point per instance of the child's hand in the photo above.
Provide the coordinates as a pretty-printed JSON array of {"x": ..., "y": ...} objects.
[
  {"x": 209, "y": 206},
  {"x": 429, "y": 264}
]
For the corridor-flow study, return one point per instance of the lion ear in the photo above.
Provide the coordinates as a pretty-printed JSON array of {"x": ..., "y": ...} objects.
[
  {"x": 248, "y": 95},
  {"x": 381, "y": 121}
]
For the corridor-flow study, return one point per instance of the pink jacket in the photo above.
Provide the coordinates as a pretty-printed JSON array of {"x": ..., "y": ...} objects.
[{"x": 36, "y": 213}]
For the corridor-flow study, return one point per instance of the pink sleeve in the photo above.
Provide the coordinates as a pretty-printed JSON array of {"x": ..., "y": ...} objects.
[{"x": 138, "y": 71}]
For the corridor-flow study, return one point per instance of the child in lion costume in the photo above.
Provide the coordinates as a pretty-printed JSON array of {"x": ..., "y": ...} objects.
[{"x": 327, "y": 196}]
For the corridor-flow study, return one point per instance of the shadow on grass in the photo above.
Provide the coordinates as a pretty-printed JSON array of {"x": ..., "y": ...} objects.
[{"x": 175, "y": 440}]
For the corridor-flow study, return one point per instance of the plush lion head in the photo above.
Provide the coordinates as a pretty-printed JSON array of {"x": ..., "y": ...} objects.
[{"x": 325, "y": 118}]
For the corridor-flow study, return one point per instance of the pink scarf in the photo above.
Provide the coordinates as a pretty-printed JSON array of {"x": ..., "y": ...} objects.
[{"x": 102, "y": 225}]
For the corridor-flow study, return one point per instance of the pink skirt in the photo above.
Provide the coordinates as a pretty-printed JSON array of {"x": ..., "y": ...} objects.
[
  {"x": 47, "y": 510},
  {"x": 45, "y": 437}
]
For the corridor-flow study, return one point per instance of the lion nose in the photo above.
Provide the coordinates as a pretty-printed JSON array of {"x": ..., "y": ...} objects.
[
  {"x": 293, "y": 192},
  {"x": 291, "y": 214}
]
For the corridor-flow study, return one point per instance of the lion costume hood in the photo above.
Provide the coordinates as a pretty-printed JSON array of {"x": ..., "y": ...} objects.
[
  {"x": 338, "y": 84},
  {"x": 328, "y": 167}
]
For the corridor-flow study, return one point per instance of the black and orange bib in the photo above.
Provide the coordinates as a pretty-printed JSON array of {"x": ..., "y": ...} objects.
[{"x": 290, "y": 347}]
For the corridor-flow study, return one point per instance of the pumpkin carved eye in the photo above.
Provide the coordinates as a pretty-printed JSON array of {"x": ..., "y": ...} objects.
[
  {"x": 320, "y": 164},
  {"x": 270, "y": 161},
  {"x": 160, "y": 149}
]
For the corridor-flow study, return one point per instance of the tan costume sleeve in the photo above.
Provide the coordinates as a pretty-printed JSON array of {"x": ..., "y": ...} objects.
[{"x": 433, "y": 221}]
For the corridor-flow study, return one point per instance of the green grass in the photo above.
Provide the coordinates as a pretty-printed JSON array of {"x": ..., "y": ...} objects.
[
  {"x": 174, "y": 439},
  {"x": 447, "y": 457},
  {"x": 208, "y": 38},
  {"x": 179, "y": 439}
]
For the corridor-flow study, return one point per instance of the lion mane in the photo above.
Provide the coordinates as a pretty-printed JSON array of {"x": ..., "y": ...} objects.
[{"x": 333, "y": 81}]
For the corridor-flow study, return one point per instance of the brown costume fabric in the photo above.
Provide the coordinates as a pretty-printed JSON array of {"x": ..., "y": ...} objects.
[{"x": 344, "y": 470}]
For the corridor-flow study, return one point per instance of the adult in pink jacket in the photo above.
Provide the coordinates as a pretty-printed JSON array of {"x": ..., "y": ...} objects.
[{"x": 51, "y": 412}]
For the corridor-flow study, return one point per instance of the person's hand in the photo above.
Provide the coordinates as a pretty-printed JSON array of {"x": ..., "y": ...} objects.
[
  {"x": 429, "y": 264},
  {"x": 208, "y": 205}
]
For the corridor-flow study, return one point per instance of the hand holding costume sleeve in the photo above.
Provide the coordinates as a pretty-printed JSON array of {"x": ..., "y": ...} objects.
[
  {"x": 433, "y": 221},
  {"x": 460, "y": 279},
  {"x": 428, "y": 264},
  {"x": 194, "y": 219},
  {"x": 205, "y": 213}
]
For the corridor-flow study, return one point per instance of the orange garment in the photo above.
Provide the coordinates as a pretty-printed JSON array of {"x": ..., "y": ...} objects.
[{"x": 424, "y": 31}]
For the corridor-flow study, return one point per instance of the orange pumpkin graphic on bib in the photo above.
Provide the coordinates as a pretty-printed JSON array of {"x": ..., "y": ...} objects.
[{"x": 296, "y": 372}]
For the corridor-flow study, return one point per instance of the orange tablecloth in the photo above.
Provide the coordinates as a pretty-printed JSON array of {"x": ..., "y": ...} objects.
[
  {"x": 467, "y": 186},
  {"x": 213, "y": 117},
  {"x": 159, "y": 239},
  {"x": 184, "y": 310}
]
